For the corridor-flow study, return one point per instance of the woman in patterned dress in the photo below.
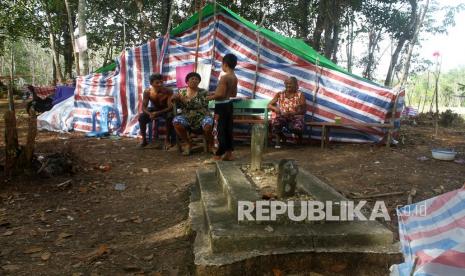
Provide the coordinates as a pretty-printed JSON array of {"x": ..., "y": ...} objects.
[
  {"x": 290, "y": 107},
  {"x": 194, "y": 116}
]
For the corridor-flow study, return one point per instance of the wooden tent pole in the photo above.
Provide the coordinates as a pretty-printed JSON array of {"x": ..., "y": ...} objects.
[
  {"x": 199, "y": 24},
  {"x": 257, "y": 66},
  {"x": 167, "y": 39},
  {"x": 317, "y": 87},
  {"x": 393, "y": 118},
  {"x": 215, "y": 22}
]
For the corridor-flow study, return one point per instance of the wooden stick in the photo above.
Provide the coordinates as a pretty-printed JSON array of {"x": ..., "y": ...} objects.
[
  {"x": 64, "y": 183},
  {"x": 198, "y": 37},
  {"x": 411, "y": 194},
  {"x": 393, "y": 118},
  {"x": 378, "y": 195},
  {"x": 257, "y": 66},
  {"x": 415, "y": 262},
  {"x": 31, "y": 138}
]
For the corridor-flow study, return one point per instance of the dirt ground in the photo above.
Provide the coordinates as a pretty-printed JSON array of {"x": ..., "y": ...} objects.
[{"x": 87, "y": 227}]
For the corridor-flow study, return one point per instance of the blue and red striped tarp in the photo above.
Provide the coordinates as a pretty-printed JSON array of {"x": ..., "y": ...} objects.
[
  {"x": 433, "y": 233},
  {"x": 339, "y": 95}
]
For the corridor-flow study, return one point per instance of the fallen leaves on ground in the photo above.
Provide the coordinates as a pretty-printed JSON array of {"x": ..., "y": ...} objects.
[
  {"x": 33, "y": 249},
  {"x": 95, "y": 254}
]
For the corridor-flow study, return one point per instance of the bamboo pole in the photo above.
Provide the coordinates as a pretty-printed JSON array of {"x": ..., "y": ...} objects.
[
  {"x": 199, "y": 26},
  {"x": 166, "y": 40},
  {"x": 315, "y": 93},
  {"x": 215, "y": 30},
  {"x": 393, "y": 118},
  {"x": 257, "y": 65}
]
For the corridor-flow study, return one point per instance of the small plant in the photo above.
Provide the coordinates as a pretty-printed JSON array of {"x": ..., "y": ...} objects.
[{"x": 449, "y": 118}]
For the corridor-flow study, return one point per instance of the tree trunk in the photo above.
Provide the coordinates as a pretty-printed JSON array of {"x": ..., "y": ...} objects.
[
  {"x": 303, "y": 23},
  {"x": 373, "y": 39},
  {"x": 350, "y": 43},
  {"x": 413, "y": 41},
  {"x": 33, "y": 71},
  {"x": 328, "y": 40},
  {"x": 54, "y": 72},
  {"x": 107, "y": 54},
  {"x": 166, "y": 10},
  {"x": 404, "y": 37},
  {"x": 2, "y": 65},
  {"x": 332, "y": 17},
  {"x": 67, "y": 51},
  {"x": 393, "y": 63},
  {"x": 335, "y": 42},
  {"x": 55, "y": 54},
  {"x": 146, "y": 25},
  {"x": 83, "y": 57},
  {"x": 73, "y": 42},
  {"x": 56, "y": 59},
  {"x": 11, "y": 102},
  {"x": 319, "y": 27}
]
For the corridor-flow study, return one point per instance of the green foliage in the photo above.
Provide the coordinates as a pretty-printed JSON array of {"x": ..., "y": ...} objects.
[
  {"x": 420, "y": 90},
  {"x": 450, "y": 119},
  {"x": 31, "y": 21}
]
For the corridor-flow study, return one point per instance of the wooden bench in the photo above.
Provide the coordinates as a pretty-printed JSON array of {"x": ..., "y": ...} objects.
[
  {"x": 326, "y": 127},
  {"x": 249, "y": 111}
]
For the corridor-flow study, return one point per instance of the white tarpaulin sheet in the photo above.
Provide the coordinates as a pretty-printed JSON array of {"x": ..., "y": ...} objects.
[{"x": 59, "y": 118}]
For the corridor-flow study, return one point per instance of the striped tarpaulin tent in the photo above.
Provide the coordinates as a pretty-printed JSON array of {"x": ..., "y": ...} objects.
[
  {"x": 329, "y": 90},
  {"x": 44, "y": 91},
  {"x": 433, "y": 233},
  {"x": 410, "y": 111}
]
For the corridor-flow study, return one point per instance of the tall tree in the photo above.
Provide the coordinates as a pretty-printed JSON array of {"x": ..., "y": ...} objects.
[
  {"x": 71, "y": 31},
  {"x": 403, "y": 28},
  {"x": 83, "y": 55},
  {"x": 53, "y": 47},
  {"x": 416, "y": 30}
]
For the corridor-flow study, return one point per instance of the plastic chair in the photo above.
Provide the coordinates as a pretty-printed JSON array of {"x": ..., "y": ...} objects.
[
  {"x": 103, "y": 122},
  {"x": 154, "y": 132}
]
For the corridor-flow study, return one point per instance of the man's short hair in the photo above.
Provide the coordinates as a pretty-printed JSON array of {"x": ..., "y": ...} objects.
[
  {"x": 155, "y": 77},
  {"x": 230, "y": 60},
  {"x": 193, "y": 74}
]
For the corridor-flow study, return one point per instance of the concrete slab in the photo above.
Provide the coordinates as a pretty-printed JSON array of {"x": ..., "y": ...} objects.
[{"x": 221, "y": 240}]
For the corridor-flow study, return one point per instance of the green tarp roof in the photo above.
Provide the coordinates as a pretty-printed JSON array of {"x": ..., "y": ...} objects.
[
  {"x": 106, "y": 68},
  {"x": 296, "y": 46}
]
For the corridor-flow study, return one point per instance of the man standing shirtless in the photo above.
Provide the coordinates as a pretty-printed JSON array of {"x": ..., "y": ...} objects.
[
  {"x": 161, "y": 106},
  {"x": 227, "y": 88}
]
